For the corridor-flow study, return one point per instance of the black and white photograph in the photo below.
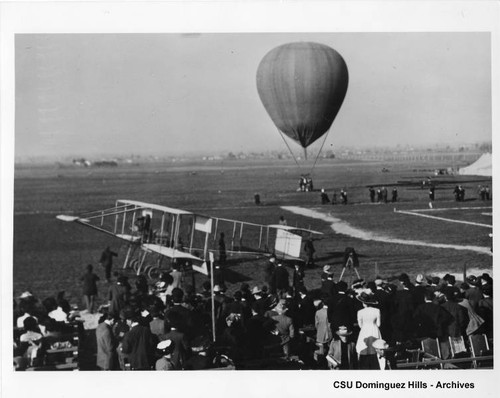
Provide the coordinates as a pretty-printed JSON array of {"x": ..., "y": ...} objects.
[{"x": 296, "y": 193}]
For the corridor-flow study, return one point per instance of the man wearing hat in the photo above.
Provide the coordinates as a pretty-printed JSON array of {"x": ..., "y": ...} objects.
[
  {"x": 269, "y": 269},
  {"x": 200, "y": 359},
  {"x": 485, "y": 310},
  {"x": 402, "y": 314},
  {"x": 323, "y": 331},
  {"x": 342, "y": 310},
  {"x": 139, "y": 344},
  {"x": 473, "y": 293},
  {"x": 106, "y": 344},
  {"x": 342, "y": 353},
  {"x": 166, "y": 348},
  {"x": 384, "y": 361},
  {"x": 418, "y": 290},
  {"x": 449, "y": 286},
  {"x": 280, "y": 280},
  {"x": 328, "y": 285}
]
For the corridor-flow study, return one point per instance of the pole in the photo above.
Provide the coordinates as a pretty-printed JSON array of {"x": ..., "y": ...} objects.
[{"x": 213, "y": 297}]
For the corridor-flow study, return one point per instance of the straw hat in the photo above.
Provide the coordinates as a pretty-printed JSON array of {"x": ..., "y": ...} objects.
[
  {"x": 380, "y": 344},
  {"x": 343, "y": 331},
  {"x": 367, "y": 298}
]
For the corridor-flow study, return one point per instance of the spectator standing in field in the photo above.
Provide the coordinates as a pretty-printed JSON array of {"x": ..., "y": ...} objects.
[
  {"x": 324, "y": 197},
  {"x": 280, "y": 280},
  {"x": 343, "y": 196},
  {"x": 384, "y": 194},
  {"x": 369, "y": 323},
  {"x": 106, "y": 344},
  {"x": 323, "y": 330},
  {"x": 139, "y": 345},
  {"x": 394, "y": 195},
  {"x": 432, "y": 193},
  {"x": 342, "y": 353},
  {"x": 309, "y": 249},
  {"x": 372, "y": 194},
  {"x": 118, "y": 296},
  {"x": 107, "y": 262},
  {"x": 166, "y": 347},
  {"x": 89, "y": 288}
]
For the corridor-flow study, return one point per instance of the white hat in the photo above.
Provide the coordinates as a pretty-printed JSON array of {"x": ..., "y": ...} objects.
[
  {"x": 217, "y": 288},
  {"x": 419, "y": 278},
  {"x": 163, "y": 345},
  {"x": 25, "y": 295},
  {"x": 380, "y": 344}
]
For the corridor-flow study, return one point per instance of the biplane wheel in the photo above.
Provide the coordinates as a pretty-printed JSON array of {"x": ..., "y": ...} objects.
[
  {"x": 154, "y": 273},
  {"x": 135, "y": 264},
  {"x": 146, "y": 268}
]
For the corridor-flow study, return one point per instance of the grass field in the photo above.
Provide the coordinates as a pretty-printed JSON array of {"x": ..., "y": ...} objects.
[{"x": 50, "y": 255}]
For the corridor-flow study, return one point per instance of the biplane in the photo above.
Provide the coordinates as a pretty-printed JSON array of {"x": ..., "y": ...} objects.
[
  {"x": 192, "y": 239},
  {"x": 159, "y": 233}
]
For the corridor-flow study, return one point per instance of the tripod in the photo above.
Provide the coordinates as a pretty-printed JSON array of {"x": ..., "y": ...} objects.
[{"x": 349, "y": 265}]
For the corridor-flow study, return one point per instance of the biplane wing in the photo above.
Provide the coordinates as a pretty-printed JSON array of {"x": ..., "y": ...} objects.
[{"x": 179, "y": 234}]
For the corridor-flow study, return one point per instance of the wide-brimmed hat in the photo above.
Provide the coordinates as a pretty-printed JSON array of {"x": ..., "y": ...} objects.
[
  {"x": 367, "y": 298},
  {"x": 343, "y": 331},
  {"x": 166, "y": 346},
  {"x": 358, "y": 284},
  {"x": 380, "y": 344},
  {"x": 419, "y": 278},
  {"x": 473, "y": 280},
  {"x": 450, "y": 279}
]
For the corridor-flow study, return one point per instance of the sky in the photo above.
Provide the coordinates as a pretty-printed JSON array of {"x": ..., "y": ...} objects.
[{"x": 166, "y": 94}]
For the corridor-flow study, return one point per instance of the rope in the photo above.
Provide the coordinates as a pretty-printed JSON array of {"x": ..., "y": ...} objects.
[
  {"x": 320, "y": 149},
  {"x": 289, "y": 149}
]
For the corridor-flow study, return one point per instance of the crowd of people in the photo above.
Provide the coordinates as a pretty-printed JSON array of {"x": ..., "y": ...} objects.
[{"x": 167, "y": 325}]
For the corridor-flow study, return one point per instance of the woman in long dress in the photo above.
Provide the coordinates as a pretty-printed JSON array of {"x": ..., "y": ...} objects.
[{"x": 369, "y": 324}]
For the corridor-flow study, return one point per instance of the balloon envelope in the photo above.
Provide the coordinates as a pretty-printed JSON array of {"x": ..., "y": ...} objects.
[{"x": 302, "y": 86}]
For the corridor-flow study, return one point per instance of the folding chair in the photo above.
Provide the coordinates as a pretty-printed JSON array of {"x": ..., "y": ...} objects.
[
  {"x": 479, "y": 346},
  {"x": 458, "y": 350},
  {"x": 431, "y": 350}
]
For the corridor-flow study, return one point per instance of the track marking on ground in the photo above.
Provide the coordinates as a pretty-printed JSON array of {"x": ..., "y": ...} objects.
[
  {"x": 342, "y": 227},
  {"x": 413, "y": 213},
  {"x": 450, "y": 208}
]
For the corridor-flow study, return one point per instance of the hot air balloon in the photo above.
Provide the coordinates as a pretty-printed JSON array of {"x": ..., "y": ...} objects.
[{"x": 302, "y": 86}]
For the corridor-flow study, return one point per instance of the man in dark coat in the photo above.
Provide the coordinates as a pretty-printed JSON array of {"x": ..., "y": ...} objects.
[
  {"x": 328, "y": 289},
  {"x": 309, "y": 249},
  {"x": 118, "y": 296},
  {"x": 280, "y": 280},
  {"x": 460, "y": 316},
  {"x": 139, "y": 345},
  {"x": 107, "y": 262},
  {"x": 182, "y": 349},
  {"x": 402, "y": 315},
  {"x": 341, "y": 309},
  {"x": 384, "y": 299},
  {"x": 430, "y": 319},
  {"x": 106, "y": 344}
]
